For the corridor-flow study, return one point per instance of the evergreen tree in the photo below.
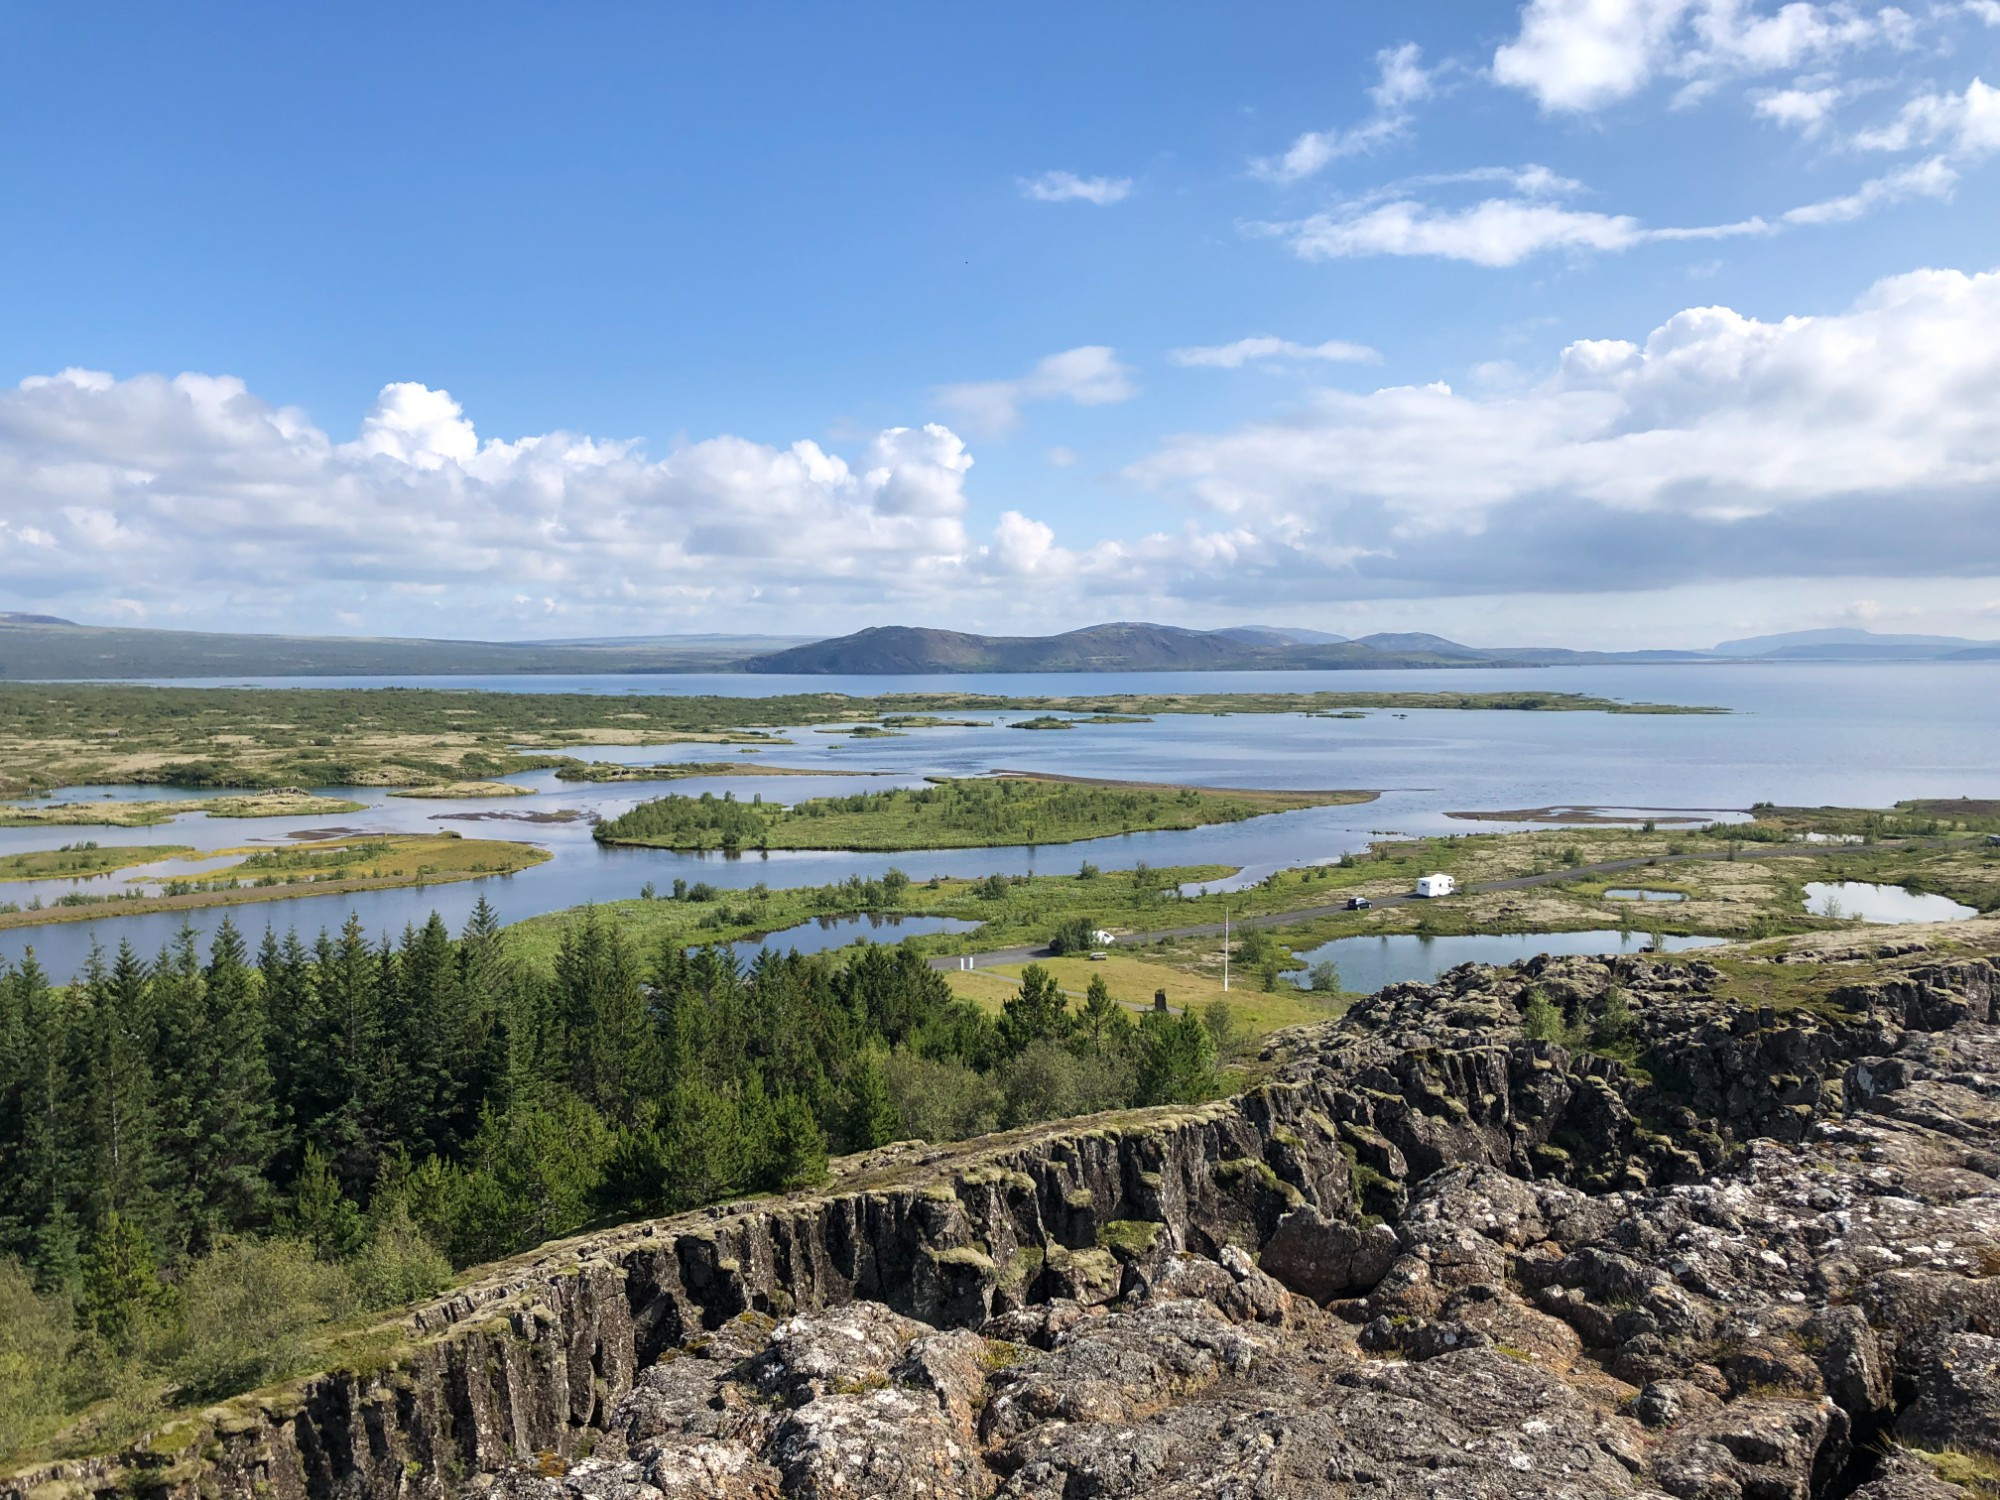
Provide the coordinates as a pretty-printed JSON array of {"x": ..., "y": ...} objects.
[
  {"x": 1103, "y": 1024},
  {"x": 798, "y": 1158},
  {"x": 235, "y": 1126},
  {"x": 1177, "y": 1059},
  {"x": 1037, "y": 1012},
  {"x": 320, "y": 1213},
  {"x": 338, "y": 1093},
  {"x": 120, "y": 1281},
  {"x": 611, "y": 1044},
  {"x": 872, "y": 1117},
  {"x": 41, "y": 1176},
  {"x": 112, "y": 1067}
]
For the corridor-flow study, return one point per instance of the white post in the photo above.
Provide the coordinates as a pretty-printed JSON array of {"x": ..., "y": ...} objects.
[{"x": 1225, "y": 950}]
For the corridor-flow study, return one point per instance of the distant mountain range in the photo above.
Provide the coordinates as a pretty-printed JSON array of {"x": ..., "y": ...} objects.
[
  {"x": 1860, "y": 645},
  {"x": 46, "y": 647},
  {"x": 1125, "y": 647}
]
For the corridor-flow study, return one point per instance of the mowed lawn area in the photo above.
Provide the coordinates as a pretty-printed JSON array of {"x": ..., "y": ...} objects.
[{"x": 1134, "y": 981}]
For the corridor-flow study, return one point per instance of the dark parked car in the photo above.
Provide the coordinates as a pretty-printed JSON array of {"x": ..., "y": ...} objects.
[{"x": 1358, "y": 903}]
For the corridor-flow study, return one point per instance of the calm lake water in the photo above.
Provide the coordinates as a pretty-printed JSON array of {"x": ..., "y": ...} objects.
[
  {"x": 1799, "y": 733},
  {"x": 1867, "y": 902},
  {"x": 1366, "y": 964}
]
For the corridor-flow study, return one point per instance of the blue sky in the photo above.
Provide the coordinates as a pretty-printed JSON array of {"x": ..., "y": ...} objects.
[{"x": 1626, "y": 322}]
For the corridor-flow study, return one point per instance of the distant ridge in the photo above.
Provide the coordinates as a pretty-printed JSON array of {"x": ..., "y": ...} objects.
[
  {"x": 44, "y": 647},
  {"x": 890, "y": 650},
  {"x": 1858, "y": 645},
  {"x": 47, "y": 647}
]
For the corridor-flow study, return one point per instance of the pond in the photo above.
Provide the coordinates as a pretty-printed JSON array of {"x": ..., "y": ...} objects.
[
  {"x": 1861, "y": 901},
  {"x": 1637, "y": 893},
  {"x": 824, "y": 933},
  {"x": 1366, "y": 964}
]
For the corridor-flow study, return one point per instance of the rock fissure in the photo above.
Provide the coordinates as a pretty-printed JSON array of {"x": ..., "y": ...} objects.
[{"x": 1722, "y": 1251}]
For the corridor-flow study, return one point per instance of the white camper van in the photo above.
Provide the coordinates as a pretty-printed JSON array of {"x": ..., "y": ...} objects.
[{"x": 1429, "y": 886}]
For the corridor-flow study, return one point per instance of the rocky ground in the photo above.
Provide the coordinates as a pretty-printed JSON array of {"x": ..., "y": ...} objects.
[{"x": 1760, "y": 1258}]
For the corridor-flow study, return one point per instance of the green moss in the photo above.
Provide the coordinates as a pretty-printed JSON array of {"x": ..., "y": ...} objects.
[{"x": 1130, "y": 1237}]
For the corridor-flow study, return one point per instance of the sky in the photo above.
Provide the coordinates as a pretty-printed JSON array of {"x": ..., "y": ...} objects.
[{"x": 1613, "y": 323}]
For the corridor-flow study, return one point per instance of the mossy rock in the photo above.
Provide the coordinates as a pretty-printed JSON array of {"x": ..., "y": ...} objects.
[{"x": 1129, "y": 1238}]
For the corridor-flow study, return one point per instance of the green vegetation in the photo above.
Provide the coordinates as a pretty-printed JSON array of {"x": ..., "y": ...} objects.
[
  {"x": 955, "y": 814},
  {"x": 288, "y": 802},
  {"x": 329, "y": 867},
  {"x": 599, "y": 770},
  {"x": 75, "y": 734},
  {"x": 78, "y": 860},
  {"x": 217, "y": 1160}
]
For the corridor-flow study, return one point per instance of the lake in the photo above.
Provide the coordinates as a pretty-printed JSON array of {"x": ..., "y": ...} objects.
[
  {"x": 1366, "y": 964},
  {"x": 1800, "y": 733},
  {"x": 1863, "y": 901}
]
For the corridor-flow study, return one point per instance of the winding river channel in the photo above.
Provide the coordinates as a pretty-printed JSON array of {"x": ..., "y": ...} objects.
[{"x": 1803, "y": 734}]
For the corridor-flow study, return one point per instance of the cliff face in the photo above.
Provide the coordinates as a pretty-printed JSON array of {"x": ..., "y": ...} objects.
[{"x": 1428, "y": 1257}]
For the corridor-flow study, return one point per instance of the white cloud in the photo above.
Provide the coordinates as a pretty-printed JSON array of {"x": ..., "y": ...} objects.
[
  {"x": 1965, "y": 125},
  {"x": 1805, "y": 110},
  {"x": 1402, "y": 81},
  {"x": 1582, "y": 55},
  {"x": 1067, "y": 187},
  {"x": 193, "y": 492},
  {"x": 1925, "y": 179},
  {"x": 1719, "y": 446},
  {"x": 1089, "y": 376},
  {"x": 1263, "y": 349},
  {"x": 1496, "y": 232},
  {"x": 1585, "y": 54}
]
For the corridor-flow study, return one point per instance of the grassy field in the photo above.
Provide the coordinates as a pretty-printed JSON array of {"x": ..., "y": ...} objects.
[
  {"x": 77, "y": 860},
  {"x": 958, "y": 814},
  {"x": 330, "y": 867},
  {"x": 1135, "y": 980},
  {"x": 457, "y": 790},
  {"x": 110, "y": 813},
  {"x": 597, "y": 770},
  {"x": 72, "y": 734}
]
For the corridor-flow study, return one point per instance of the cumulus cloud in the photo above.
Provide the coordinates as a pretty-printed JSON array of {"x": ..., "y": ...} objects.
[
  {"x": 1089, "y": 376},
  {"x": 1402, "y": 81},
  {"x": 1964, "y": 125},
  {"x": 193, "y": 494},
  {"x": 1803, "y": 109},
  {"x": 1718, "y": 446},
  {"x": 1577, "y": 56},
  {"x": 1721, "y": 446},
  {"x": 1263, "y": 349},
  {"x": 1067, "y": 187}
]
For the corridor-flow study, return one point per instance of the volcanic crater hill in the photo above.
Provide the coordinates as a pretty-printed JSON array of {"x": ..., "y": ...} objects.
[{"x": 1427, "y": 1256}]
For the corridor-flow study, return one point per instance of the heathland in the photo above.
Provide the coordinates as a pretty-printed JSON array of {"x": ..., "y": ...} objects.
[
  {"x": 76, "y": 734},
  {"x": 950, "y": 814},
  {"x": 320, "y": 867}
]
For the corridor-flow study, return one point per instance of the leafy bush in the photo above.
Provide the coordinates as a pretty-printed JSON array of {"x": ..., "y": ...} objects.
[
  {"x": 1073, "y": 935},
  {"x": 35, "y": 1335},
  {"x": 941, "y": 1100},
  {"x": 247, "y": 1311}
]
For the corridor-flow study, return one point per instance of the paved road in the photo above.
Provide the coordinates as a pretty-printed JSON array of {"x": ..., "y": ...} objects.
[{"x": 1515, "y": 883}]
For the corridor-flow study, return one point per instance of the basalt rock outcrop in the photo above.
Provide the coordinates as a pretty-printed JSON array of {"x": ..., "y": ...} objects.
[{"x": 1728, "y": 1250}]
